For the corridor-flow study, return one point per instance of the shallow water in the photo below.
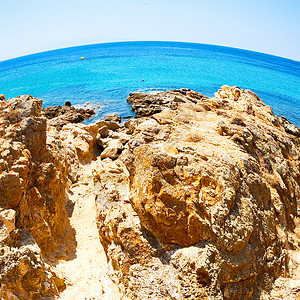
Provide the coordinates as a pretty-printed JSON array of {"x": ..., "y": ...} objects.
[{"x": 111, "y": 71}]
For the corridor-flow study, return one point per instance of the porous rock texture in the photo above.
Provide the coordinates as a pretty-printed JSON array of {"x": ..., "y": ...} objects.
[
  {"x": 213, "y": 198},
  {"x": 32, "y": 201},
  {"x": 40, "y": 162},
  {"x": 58, "y": 116},
  {"x": 196, "y": 198}
]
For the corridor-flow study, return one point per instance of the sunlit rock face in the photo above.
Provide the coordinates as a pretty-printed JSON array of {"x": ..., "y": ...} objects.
[
  {"x": 196, "y": 198},
  {"x": 33, "y": 218},
  {"x": 212, "y": 202}
]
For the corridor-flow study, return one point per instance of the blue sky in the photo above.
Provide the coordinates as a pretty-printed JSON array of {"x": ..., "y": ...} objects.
[{"x": 269, "y": 26}]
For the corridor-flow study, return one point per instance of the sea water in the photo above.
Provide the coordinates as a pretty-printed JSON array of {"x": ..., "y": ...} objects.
[{"x": 110, "y": 71}]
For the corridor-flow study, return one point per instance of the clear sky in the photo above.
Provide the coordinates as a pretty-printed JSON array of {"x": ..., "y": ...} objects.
[{"x": 269, "y": 26}]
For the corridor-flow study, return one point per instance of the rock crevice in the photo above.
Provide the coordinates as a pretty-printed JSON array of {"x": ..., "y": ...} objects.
[{"x": 195, "y": 198}]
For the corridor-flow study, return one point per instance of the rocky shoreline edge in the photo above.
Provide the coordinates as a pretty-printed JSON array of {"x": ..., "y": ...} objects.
[{"x": 195, "y": 198}]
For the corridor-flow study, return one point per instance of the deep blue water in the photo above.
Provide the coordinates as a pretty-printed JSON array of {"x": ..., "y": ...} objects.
[{"x": 111, "y": 71}]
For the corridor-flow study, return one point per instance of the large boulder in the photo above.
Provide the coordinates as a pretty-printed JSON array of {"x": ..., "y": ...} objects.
[{"x": 214, "y": 189}]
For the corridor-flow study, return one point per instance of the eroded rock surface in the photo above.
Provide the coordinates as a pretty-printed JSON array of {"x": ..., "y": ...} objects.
[
  {"x": 148, "y": 104},
  {"x": 33, "y": 179},
  {"x": 196, "y": 198},
  {"x": 40, "y": 162},
  {"x": 213, "y": 197},
  {"x": 59, "y": 116}
]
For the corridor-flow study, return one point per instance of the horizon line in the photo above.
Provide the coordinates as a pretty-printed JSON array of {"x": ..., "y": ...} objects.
[{"x": 148, "y": 41}]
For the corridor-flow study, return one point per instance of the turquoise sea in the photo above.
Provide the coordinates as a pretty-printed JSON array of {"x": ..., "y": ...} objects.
[{"x": 111, "y": 71}]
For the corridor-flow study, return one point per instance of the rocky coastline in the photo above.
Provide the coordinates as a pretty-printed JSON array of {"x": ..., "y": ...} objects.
[
  {"x": 194, "y": 198},
  {"x": 58, "y": 116}
]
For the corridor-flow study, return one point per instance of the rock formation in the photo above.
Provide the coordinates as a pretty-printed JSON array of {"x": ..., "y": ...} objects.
[
  {"x": 32, "y": 201},
  {"x": 145, "y": 105},
  {"x": 196, "y": 198},
  {"x": 59, "y": 116},
  {"x": 213, "y": 197}
]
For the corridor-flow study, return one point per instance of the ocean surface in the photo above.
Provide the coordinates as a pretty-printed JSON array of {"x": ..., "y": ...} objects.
[{"x": 111, "y": 71}]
